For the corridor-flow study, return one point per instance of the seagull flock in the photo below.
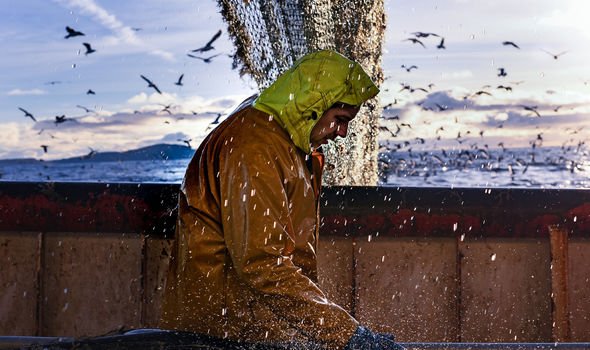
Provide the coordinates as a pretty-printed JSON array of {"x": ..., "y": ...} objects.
[
  {"x": 389, "y": 163},
  {"x": 89, "y": 49},
  {"x": 471, "y": 149}
]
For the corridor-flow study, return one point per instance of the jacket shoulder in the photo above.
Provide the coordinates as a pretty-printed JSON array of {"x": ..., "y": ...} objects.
[{"x": 252, "y": 130}]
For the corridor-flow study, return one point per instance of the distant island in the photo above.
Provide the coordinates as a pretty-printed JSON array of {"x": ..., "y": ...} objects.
[{"x": 154, "y": 152}]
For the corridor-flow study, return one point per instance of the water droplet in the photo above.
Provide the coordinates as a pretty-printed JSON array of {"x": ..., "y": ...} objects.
[
  {"x": 455, "y": 225},
  {"x": 493, "y": 257}
]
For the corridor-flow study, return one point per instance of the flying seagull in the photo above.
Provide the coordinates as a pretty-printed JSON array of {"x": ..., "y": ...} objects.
[
  {"x": 90, "y": 92},
  {"x": 45, "y": 147},
  {"x": 441, "y": 45},
  {"x": 204, "y": 59},
  {"x": 424, "y": 35},
  {"x": 555, "y": 56},
  {"x": 415, "y": 41},
  {"x": 510, "y": 43},
  {"x": 408, "y": 69},
  {"x": 481, "y": 92},
  {"x": 166, "y": 108},
  {"x": 179, "y": 82},
  {"x": 209, "y": 45},
  {"x": 72, "y": 32},
  {"x": 150, "y": 84},
  {"x": 60, "y": 119},
  {"x": 27, "y": 114},
  {"x": 531, "y": 109},
  {"x": 88, "y": 110},
  {"x": 216, "y": 121},
  {"x": 188, "y": 142},
  {"x": 89, "y": 48}
]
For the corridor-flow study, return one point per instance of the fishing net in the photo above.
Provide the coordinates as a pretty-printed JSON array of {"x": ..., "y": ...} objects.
[{"x": 269, "y": 35}]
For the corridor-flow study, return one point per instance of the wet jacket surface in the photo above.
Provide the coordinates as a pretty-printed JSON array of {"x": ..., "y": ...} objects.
[{"x": 244, "y": 259}]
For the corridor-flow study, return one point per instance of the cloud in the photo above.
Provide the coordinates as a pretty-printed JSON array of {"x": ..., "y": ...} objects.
[
  {"x": 441, "y": 116},
  {"x": 145, "y": 123},
  {"x": 19, "y": 92},
  {"x": 174, "y": 137},
  {"x": 190, "y": 105},
  {"x": 154, "y": 98},
  {"x": 163, "y": 54},
  {"x": 457, "y": 75}
]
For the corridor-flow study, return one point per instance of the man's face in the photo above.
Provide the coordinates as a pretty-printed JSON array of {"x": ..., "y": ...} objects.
[{"x": 333, "y": 123}]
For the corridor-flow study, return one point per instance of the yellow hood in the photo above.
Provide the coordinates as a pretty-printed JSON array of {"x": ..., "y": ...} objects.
[{"x": 314, "y": 83}]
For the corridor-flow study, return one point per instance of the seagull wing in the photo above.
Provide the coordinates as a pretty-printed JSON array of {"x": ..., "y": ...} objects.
[
  {"x": 151, "y": 84},
  {"x": 156, "y": 88},
  {"x": 89, "y": 48},
  {"x": 147, "y": 80},
  {"x": 72, "y": 32},
  {"x": 511, "y": 44},
  {"x": 193, "y": 56},
  {"x": 561, "y": 53},
  {"x": 208, "y": 58},
  {"x": 215, "y": 37}
]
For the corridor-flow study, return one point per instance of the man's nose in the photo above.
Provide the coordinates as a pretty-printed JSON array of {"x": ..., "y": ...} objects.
[{"x": 341, "y": 130}]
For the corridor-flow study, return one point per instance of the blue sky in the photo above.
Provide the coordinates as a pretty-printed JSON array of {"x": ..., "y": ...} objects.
[{"x": 49, "y": 76}]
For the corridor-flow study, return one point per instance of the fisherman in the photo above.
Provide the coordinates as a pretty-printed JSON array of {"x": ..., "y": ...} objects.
[{"x": 244, "y": 263}]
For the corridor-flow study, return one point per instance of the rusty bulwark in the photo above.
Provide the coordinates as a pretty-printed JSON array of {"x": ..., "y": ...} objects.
[{"x": 346, "y": 211}]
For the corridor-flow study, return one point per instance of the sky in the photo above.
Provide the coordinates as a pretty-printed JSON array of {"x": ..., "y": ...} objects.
[{"x": 452, "y": 99}]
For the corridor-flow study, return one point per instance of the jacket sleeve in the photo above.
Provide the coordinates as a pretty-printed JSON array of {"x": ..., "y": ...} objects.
[{"x": 259, "y": 237}]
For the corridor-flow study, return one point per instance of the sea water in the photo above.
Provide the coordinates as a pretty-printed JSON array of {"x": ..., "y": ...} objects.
[{"x": 544, "y": 168}]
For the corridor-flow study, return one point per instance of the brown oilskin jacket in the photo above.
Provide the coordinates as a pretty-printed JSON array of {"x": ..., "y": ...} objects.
[{"x": 244, "y": 259}]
